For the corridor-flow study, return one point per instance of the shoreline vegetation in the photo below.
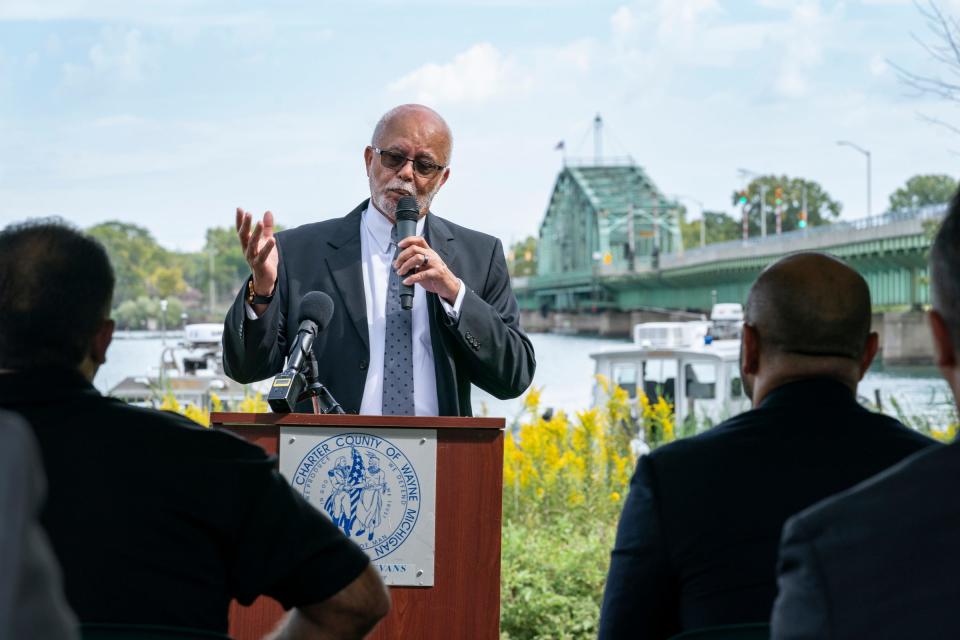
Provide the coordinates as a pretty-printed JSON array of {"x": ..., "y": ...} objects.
[{"x": 565, "y": 478}]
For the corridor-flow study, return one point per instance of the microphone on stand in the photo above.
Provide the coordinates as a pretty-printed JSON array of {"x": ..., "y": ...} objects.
[
  {"x": 407, "y": 214},
  {"x": 316, "y": 309}
]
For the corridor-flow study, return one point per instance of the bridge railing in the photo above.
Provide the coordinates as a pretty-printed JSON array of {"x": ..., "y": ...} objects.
[
  {"x": 609, "y": 161},
  {"x": 928, "y": 212}
]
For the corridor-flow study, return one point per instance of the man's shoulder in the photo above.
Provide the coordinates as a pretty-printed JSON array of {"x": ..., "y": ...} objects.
[
  {"x": 726, "y": 433},
  {"x": 915, "y": 485},
  {"x": 460, "y": 232},
  {"x": 307, "y": 235},
  {"x": 765, "y": 426},
  {"x": 166, "y": 430}
]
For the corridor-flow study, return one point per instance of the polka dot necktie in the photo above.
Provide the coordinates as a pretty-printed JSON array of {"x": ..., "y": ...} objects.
[{"x": 397, "y": 349}]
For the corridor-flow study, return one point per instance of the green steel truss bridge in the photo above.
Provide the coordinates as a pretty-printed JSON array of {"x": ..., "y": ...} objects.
[{"x": 610, "y": 242}]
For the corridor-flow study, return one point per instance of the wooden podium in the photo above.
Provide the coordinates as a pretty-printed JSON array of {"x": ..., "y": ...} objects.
[{"x": 464, "y": 601}]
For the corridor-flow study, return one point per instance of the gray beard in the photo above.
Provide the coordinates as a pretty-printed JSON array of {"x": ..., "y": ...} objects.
[{"x": 381, "y": 202}]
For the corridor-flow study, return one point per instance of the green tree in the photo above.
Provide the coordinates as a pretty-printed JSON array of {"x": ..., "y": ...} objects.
[
  {"x": 720, "y": 227},
  {"x": 144, "y": 312},
  {"x": 134, "y": 255},
  {"x": 522, "y": 257},
  {"x": 230, "y": 268},
  {"x": 923, "y": 190},
  {"x": 167, "y": 281},
  {"x": 821, "y": 208}
]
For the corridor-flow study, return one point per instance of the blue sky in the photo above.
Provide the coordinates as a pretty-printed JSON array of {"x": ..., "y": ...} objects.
[{"x": 170, "y": 114}]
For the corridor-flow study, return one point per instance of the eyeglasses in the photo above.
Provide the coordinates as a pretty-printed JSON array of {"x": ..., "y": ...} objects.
[{"x": 394, "y": 161}]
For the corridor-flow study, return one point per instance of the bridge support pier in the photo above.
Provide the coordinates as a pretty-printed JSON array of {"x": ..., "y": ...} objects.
[
  {"x": 616, "y": 324},
  {"x": 905, "y": 338}
]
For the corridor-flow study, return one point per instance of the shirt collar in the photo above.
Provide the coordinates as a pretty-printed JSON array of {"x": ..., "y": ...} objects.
[
  {"x": 812, "y": 392},
  {"x": 378, "y": 227},
  {"x": 42, "y": 385}
]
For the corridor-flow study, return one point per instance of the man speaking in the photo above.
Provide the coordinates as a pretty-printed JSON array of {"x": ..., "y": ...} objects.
[{"x": 374, "y": 355}]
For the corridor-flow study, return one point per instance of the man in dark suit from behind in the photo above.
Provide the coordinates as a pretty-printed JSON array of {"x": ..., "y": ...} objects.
[
  {"x": 153, "y": 518},
  {"x": 882, "y": 560},
  {"x": 697, "y": 541}
]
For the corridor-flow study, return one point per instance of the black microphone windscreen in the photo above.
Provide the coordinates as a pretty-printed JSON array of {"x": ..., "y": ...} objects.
[
  {"x": 318, "y": 307},
  {"x": 407, "y": 208}
]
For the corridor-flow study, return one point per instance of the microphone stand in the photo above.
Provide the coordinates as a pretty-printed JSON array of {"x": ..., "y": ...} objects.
[{"x": 323, "y": 401}]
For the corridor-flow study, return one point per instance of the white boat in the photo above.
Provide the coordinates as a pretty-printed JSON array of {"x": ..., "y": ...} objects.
[
  {"x": 192, "y": 371},
  {"x": 727, "y": 320},
  {"x": 681, "y": 362}
]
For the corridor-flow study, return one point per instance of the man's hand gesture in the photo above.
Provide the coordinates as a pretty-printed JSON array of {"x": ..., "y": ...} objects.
[{"x": 260, "y": 250}]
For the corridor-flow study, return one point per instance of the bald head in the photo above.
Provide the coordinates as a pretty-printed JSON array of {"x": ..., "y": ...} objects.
[
  {"x": 811, "y": 304},
  {"x": 427, "y": 120}
]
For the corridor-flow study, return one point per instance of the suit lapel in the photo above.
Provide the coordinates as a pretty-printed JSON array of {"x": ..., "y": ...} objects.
[
  {"x": 440, "y": 238},
  {"x": 345, "y": 268}
]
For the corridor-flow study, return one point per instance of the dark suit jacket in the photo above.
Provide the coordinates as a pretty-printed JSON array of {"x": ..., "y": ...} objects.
[
  {"x": 157, "y": 520},
  {"x": 697, "y": 540},
  {"x": 879, "y": 561},
  {"x": 484, "y": 347}
]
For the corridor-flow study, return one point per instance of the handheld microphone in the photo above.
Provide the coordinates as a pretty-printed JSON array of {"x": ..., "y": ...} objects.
[
  {"x": 407, "y": 214},
  {"x": 316, "y": 309}
]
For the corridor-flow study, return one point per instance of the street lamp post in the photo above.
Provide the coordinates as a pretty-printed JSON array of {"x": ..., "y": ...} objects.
[
  {"x": 163, "y": 322},
  {"x": 847, "y": 143},
  {"x": 746, "y": 173},
  {"x": 703, "y": 219}
]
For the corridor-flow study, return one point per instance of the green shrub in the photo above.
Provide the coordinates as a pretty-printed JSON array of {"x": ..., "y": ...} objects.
[{"x": 553, "y": 577}]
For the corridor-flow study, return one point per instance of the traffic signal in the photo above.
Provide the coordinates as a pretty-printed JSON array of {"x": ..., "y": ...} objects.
[
  {"x": 778, "y": 196},
  {"x": 803, "y": 220},
  {"x": 743, "y": 197}
]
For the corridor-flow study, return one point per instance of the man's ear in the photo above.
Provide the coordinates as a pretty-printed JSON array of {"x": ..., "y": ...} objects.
[
  {"x": 750, "y": 358},
  {"x": 944, "y": 353},
  {"x": 869, "y": 352},
  {"x": 368, "y": 158},
  {"x": 101, "y": 341}
]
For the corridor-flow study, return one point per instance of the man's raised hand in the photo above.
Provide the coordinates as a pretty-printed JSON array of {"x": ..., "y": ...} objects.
[{"x": 260, "y": 250}]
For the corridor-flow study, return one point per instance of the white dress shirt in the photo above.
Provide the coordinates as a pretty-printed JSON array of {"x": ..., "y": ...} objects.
[{"x": 376, "y": 261}]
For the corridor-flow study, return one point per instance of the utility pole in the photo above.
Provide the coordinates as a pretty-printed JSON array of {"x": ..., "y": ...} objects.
[
  {"x": 598, "y": 140},
  {"x": 866, "y": 153},
  {"x": 213, "y": 284},
  {"x": 763, "y": 211}
]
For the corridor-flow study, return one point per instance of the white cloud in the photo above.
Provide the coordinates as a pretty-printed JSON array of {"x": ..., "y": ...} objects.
[
  {"x": 118, "y": 55},
  {"x": 121, "y": 120},
  {"x": 878, "y": 65},
  {"x": 805, "y": 37},
  {"x": 623, "y": 22},
  {"x": 477, "y": 75},
  {"x": 683, "y": 17}
]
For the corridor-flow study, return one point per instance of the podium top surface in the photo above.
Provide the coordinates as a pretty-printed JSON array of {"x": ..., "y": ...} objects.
[{"x": 350, "y": 420}]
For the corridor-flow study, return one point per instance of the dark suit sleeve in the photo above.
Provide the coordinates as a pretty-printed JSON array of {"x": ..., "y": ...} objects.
[
  {"x": 497, "y": 354},
  {"x": 639, "y": 600},
  {"x": 800, "y": 610},
  {"x": 255, "y": 349}
]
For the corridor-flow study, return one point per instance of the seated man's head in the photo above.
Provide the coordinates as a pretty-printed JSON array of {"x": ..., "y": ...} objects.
[
  {"x": 945, "y": 291},
  {"x": 56, "y": 285},
  {"x": 807, "y": 316}
]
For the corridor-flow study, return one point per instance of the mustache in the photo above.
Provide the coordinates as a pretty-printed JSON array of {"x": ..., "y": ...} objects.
[{"x": 403, "y": 187}]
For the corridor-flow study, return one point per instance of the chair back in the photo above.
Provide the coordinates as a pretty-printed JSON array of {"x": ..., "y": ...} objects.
[
  {"x": 750, "y": 631},
  {"x": 105, "y": 631}
]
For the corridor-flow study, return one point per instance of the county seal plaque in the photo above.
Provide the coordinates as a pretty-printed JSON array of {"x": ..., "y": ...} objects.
[{"x": 377, "y": 485}]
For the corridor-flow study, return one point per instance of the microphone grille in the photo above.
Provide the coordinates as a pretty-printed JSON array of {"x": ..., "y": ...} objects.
[
  {"x": 407, "y": 208},
  {"x": 316, "y": 306}
]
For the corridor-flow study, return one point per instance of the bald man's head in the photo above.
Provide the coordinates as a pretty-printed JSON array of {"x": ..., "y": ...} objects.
[
  {"x": 811, "y": 304},
  {"x": 425, "y": 117}
]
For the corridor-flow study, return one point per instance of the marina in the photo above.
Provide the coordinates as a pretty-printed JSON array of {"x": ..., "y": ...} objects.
[{"x": 565, "y": 374}]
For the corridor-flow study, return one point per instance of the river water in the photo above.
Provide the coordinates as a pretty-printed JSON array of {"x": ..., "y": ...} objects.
[{"x": 565, "y": 374}]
